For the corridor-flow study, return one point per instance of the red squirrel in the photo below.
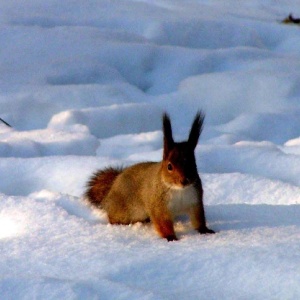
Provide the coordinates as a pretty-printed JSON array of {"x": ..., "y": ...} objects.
[{"x": 155, "y": 191}]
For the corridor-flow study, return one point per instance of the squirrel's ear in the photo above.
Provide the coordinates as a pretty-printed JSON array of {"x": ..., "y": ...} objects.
[
  {"x": 196, "y": 129},
  {"x": 168, "y": 137}
]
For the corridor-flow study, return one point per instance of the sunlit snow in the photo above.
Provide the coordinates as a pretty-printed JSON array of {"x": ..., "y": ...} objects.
[{"x": 84, "y": 85}]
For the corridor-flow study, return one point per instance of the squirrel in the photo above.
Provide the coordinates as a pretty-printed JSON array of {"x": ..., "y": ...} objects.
[{"x": 155, "y": 191}]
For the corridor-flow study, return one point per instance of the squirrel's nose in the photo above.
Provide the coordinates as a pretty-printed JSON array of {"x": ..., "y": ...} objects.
[{"x": 185, "y": 181}]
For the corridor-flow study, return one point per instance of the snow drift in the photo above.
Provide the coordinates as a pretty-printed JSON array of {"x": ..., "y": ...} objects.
[{"x": 84, "y": 86}]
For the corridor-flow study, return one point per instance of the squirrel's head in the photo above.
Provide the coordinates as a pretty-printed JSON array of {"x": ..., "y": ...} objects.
[{"x": 179, "y": 164}]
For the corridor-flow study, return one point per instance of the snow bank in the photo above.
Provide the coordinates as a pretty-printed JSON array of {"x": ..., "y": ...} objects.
[
  {"x": 63, "y": 251},
  {"x": 84, "y": 86},
  {"x": 108, "y": 121}
]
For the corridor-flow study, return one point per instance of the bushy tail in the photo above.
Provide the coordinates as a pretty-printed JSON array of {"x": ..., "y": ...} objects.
[{"x": 100, "y": 184}]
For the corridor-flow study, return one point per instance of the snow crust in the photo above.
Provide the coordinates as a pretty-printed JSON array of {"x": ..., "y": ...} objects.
[{"x": 84, "y": 85}]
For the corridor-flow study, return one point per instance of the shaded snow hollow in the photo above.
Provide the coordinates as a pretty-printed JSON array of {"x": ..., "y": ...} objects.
[{"x": 84, "y": 85}]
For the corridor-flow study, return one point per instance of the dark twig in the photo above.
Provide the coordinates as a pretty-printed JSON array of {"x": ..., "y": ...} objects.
[
  {"x": 5, "y": 122},
  {"x": 291, "y": 19}
]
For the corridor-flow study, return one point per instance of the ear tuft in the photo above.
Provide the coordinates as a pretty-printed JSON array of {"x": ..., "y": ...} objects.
[
  {"x": 196, "y": 129},
  {"x": 167, "y": 131}
]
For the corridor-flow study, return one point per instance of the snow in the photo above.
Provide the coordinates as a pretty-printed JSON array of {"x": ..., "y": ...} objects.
[{"x": 84, "y": 85}]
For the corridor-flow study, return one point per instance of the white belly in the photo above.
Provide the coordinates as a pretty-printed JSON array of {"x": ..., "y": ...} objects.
[{"x": 182, "y": 200}]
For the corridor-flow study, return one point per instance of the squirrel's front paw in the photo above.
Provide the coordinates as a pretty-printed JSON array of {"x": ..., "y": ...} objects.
[
  {"x": 205, "y": 230},
  {"x": 171, "y": 238}
]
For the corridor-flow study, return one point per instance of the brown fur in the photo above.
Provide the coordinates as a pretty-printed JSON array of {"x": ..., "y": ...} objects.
[
  {"x": 100, "y": 184},
  {"x": 155, "y": 190}
]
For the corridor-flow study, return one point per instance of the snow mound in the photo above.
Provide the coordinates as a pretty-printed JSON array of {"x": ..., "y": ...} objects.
[{"x": 84, "y": 85}]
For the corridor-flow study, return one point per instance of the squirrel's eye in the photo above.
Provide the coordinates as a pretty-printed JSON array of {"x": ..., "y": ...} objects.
[{"x": 170, "y": 167}]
